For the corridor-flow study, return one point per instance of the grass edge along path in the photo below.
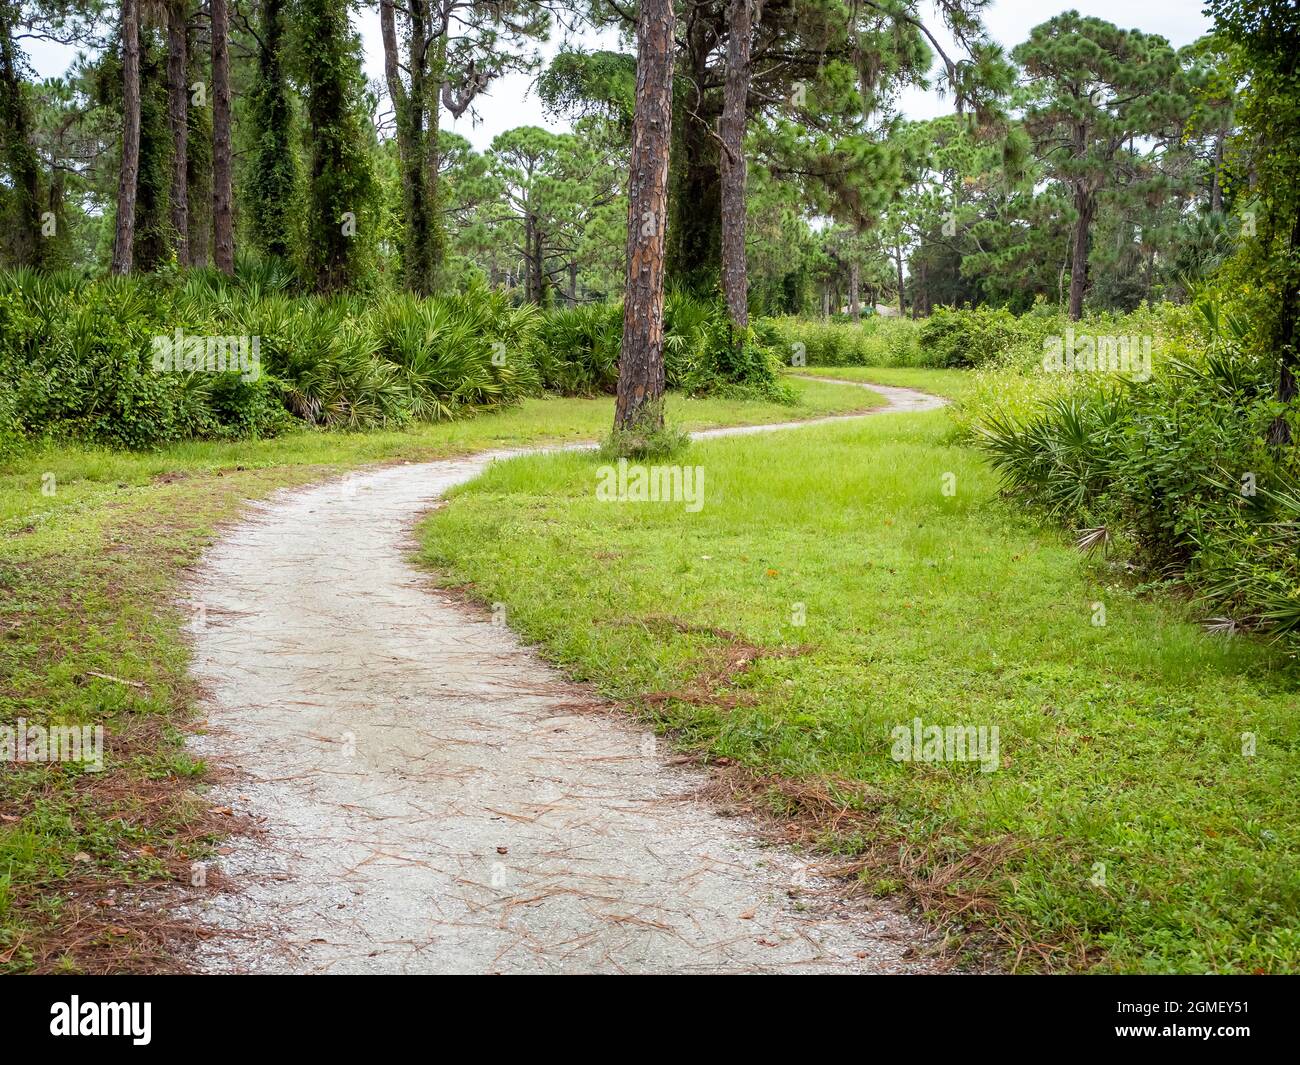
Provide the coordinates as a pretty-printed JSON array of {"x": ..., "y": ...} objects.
[
  {"x": 829, "y": 591},
  {"x": 95, "y": 547}
]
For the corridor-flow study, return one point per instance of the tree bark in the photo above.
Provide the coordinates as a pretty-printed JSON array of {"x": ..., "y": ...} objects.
[
  {"x": 1084, "y": 205},
  {"x": 696, "y": 241},
  {"x": 433, "y": 90},
  {"x": 129, "y": 173},
  {"x": 533, "y": 259},
  {"x": 641, "y": 358},
  {"x": 222, "y": 202},
  {"x": 731, "y": 131},
  {"x": 855, "y": 280},
  {"x": 388, "y": 31},
  {"x": 409, "y": 111},
  {"x": 898, "y": 262},
  {"x": 179, "y": 121},
  {"x": 27, "y": 241}
]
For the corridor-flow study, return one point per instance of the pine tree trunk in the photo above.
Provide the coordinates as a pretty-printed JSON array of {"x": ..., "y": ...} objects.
[
  {"x": 696, "y": 242},
  {"x": 437, "y": 238},
  {"x": 855, "y": 279},
  {"x": 898, "y": 262},
  {"x": 535, "y": 264},
  {"x": 409, "y": 111},
  {"x": 641, "y": 358},
  {"x": 392, "y": 75},
  {"x": 124, "y": 238},
  {"x": 222, "y": 206},
  {"x": 731, "y": 131},
  {"x": 179, "y": 121},
  {"x": 26, "y": 241},
  {"x": 1084, "y": 206},
  {"x": 530, "y": 294}
]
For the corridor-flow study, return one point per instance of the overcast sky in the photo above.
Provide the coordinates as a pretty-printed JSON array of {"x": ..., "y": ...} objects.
[{"x": 512, "y": 102}]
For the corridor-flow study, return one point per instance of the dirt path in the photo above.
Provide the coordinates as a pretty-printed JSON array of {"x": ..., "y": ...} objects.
[{"x": 436, "y": 799}]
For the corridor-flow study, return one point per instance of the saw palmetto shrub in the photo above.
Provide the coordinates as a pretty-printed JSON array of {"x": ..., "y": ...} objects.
[
  {"x": 79, "y": 358},
  {"x": 704, "y": 354},
  {"x": 576, "y": 350},
  {"x": 1173, "y": 474}
]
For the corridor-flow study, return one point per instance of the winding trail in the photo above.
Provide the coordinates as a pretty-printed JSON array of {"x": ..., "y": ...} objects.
[{"x": 434, "y": 798}]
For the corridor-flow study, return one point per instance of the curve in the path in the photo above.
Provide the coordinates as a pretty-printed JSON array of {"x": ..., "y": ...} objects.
[{"x": 435, "y": 798}]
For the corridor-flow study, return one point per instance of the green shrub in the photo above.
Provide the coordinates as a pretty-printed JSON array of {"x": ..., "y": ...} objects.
[
  {"x": 1173, "y": 473},
  {"x": 704, "y": 354},
  {"x": 965, "y": 338},
  {"x": 76, "y": 356},
  {"x": 875, "y": 341},
  {"x": 452, "y": 354},
  {"x": 576, "y": 349}
]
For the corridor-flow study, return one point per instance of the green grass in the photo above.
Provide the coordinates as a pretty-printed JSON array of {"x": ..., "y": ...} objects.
[
  {"x": 952, "y": 384},
  {"x": 86, "y": 476},
  {"x": 1124, "y": 830},
  {"x": 89, "y": 576}
]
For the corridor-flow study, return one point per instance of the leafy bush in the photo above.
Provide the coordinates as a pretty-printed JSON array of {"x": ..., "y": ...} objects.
[
  {"x": 953, "y": 338},
  {"x": 1174, "y": 473},
  {"x": 77, "y": 356},
  {"x": 876, "y": 341},
  {"x": 576, "y": 349},
  {"x": 453, "y": 354},
  {"x": 704, "y": 354}
]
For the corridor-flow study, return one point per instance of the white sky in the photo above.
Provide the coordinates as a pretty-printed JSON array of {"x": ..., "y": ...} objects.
[{"x": 511, "y": 101}]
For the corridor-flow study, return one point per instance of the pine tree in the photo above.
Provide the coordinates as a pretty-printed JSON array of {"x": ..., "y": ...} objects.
[
  {"x": 129, "y": 169},
  {"x": 271, "y": 193},
  {"x": 153, "y": 236},
  {"x": 178, "y": 98},
  {"x": 223, "y": 207},
  {"x": 731, "y": 133},
  {"x": 638, "y": 404},
  {"x": 1092, "y": 89},
  {"x": 455, "y": 49},
  {"x": 342, "y": 182},
  {"x": 25, "y": 244}
]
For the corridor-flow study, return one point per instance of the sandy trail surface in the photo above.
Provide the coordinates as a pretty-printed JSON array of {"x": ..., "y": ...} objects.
[{"x": 434, "y": 798}]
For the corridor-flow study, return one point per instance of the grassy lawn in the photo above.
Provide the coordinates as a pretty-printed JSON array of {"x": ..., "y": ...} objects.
[
  {"x": 90, "y": 632},
  {"x": 1124, "y": 827},
  {"x": 952, "y": 384}
]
